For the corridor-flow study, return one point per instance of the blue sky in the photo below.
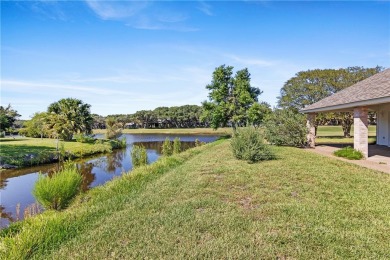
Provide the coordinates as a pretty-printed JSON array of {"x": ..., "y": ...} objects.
[{"x": 124, "y": 56}]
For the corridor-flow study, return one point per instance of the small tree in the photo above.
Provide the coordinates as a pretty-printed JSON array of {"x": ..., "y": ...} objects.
[
  {"x": 69, "y": 116},
  {"x": 176, "y": 145},
  {"x": 139, "y": 156},
  {"x": 286, "y": 127},
  {"x": 229, "y": 97},
  {"x": 36, "y": 127},
  {"x": 113, "y": 129},
  {"x": 167, "y": 147},
  {"x": 8, "y": 115}
]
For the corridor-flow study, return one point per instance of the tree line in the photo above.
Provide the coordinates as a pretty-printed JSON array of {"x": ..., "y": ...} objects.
[{"x": 232, "y": 101}]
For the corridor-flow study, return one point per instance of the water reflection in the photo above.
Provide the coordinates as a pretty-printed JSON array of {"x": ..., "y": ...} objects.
[
  {"x": 157, "y": 146},
  {"x": 16, "y": 185}
]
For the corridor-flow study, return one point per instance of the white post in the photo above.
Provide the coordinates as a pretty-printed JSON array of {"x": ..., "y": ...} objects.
[
  {"x": 360, "y": 132},
  {"x": 311, "y": 135}
]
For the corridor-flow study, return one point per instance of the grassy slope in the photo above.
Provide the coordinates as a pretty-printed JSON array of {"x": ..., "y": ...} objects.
[{"x": 299, "y": 206}]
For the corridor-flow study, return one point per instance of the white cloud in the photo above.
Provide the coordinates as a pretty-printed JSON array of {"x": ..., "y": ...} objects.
[
  {"x": 49, "y": 10},
  {"x": 205, "y": 8},
  {"x": 250, "y": 61},
  {"x": 144, "y": 15},
  {"x": 34, "y": 87},
  {"x": 116, "y": 10}
]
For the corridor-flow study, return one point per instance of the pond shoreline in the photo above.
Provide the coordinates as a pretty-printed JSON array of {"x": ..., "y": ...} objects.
[{"x": 96, "y": 169}]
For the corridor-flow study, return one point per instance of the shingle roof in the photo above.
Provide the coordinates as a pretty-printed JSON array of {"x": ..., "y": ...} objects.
[{"x": 374, "y": 87}]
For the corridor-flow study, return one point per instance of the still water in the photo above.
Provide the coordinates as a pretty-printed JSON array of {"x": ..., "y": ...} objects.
[{"x": 16, "y": 185}]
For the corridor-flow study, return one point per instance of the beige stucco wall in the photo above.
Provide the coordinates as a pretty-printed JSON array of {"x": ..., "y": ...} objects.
[{"x": 383, "y": 125}]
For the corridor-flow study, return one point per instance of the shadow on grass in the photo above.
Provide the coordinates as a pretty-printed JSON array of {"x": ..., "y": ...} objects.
[
  {"x": 20, "y": 150},
  {"x": 340, "y": 137},
  {"x": 12, "y": 140}
]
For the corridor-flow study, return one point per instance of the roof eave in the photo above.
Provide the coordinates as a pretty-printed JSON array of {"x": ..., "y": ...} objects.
[{"x": 348, "y": 106}]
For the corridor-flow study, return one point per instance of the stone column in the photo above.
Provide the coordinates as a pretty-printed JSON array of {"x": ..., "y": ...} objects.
[
  {"x": 360, "y": 132},
  {"x": 311, "y": 135}
]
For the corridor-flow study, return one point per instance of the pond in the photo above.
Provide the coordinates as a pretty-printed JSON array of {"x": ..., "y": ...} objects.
[{"x": 17, "y": 201}]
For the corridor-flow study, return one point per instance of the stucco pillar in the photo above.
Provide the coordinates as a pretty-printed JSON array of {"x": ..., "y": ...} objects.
[
  {"x": 360, "y": 132},
  {"x": 311, "y": 135}
]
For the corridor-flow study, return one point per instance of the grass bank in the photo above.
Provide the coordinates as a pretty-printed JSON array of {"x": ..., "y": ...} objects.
[
  {"x": 204, "y": 203},
  {"x": 33, "y": 151},
  {"x": 173, "y": 131}
]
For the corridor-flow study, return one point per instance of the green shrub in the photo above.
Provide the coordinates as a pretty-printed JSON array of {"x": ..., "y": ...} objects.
[
  {"x": 167, "y": 147},
  {"x": 349, "y": 153},
  {"x": 58, "y": 191},
  {"x": 81, "y": 138},
  {"x": 198, "y": 143},
  {"x": 248, "y": 144},
  {"x": 139, "y": 156},
  {"x": 286, "y": 127},
  {"x": 2, "y": 134},
  {"x": 118, "y": 143},
  {"x": 176, "y": 145}
]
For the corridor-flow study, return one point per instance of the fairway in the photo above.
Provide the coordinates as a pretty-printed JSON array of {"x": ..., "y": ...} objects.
[{"x": 334, "y": 135}]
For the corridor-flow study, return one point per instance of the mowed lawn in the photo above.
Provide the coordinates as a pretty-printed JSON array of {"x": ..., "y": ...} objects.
[
  {"x": 14, "y": 147},
  {"x": 204, "y": 203},
  {"x": 334, "y": 135},
  {"x": 17, "y": 151}
]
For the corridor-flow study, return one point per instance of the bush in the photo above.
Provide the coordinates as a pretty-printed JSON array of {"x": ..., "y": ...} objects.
[
  {"x": 81, "y": 138},
  {"x": 167, "y": 147},
  {"x": 58, "y": 191},
  {"x": 248, "y": 144},
  {"x": 139, "y": 156},
  {"x": 118, "y": 143},
  {"x": 286, "y": 127},
  {"x": 198, "y": 143},
  {"x": 176, "y": 145},
  {"x": 349, "y": 153}
]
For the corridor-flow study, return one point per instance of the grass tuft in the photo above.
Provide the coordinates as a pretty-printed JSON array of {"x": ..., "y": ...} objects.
[
  {"x": 349, "y": 153},
  {"x": 58, "y": 191}
]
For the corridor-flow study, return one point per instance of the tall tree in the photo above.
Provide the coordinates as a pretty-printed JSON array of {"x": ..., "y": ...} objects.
[
  {"x": 308, "y": 87},
  {"x": 229, "y": 97},
  {"x": 69, "y": 116},
  {"x": 8, "y": 115}
]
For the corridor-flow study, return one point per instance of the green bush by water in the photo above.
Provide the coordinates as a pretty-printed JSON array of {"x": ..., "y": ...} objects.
[
  {"x": 139, "y": 156},
  {"x": 248, "y": 144},
  {"x": 176, "y": 145},
  {"x": 167, "y": 147},
  {"x": 82, "y": 138},
  {"x": 58, "y": 191},
  {"x": 349, "y": 153}
]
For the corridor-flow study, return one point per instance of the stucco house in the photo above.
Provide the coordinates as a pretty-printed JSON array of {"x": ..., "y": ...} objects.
[{"x": 371, "y": 94}]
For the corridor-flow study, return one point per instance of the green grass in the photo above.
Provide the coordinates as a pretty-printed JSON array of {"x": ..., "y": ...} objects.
[
  {"x": 203, "y": 203},
  {"x": 334, "y": 135},
  {"x": 349, "y": 153},
  {"x": 18, "y": 151},
  {"x": 57, "y": 191},
  {"x": 178, "y": 131}
]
